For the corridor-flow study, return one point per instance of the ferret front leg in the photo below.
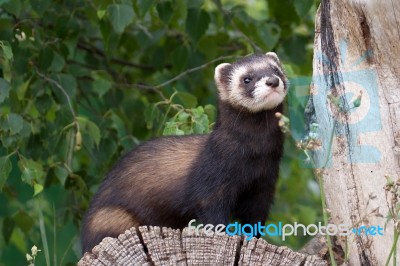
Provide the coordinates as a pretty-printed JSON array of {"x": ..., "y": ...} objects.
[
  {"x": 254, "y": 205},
  {"x": 253, "y": 209},
  {"x": 216, "y": 213}
]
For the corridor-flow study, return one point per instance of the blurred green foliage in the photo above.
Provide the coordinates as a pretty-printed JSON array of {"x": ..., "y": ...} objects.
[{"x": 82, "y": 82}]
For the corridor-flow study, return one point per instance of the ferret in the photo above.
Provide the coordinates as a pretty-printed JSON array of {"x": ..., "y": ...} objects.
[{"x": 228, "y": 174}]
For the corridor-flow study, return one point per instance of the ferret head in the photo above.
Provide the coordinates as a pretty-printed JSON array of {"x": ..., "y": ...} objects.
[{"x": 255, "y": 82}]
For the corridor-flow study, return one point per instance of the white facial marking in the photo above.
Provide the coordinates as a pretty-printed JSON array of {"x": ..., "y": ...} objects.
[
  {"x": 263, "y": 97},
  {"x": 272, "y": 54},
  {"x": 223, "y": 92},
  {"x": 267, "y": 97},
  {"x": 236, "y": 77}
]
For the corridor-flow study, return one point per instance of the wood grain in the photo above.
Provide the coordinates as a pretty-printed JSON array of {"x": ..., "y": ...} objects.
[{"x": 166, "y": 246}]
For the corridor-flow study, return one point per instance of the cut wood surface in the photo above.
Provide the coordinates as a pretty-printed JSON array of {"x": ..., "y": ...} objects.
[{"x": 166, "y": 246}]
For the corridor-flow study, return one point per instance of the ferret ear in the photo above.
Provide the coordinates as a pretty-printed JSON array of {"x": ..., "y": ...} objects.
[
  {"x": 273, "y": 56},
  {"x": 221, "y": 77}
]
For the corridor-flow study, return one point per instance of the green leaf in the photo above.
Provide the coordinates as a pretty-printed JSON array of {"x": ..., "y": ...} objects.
[
  {"x": 118, "y": 124},
  {"x": 197, "y": 112},
  {"x": 295, "y": 48},
  {"x": 188, "y": 100},
  {"x": 199, "y": 128},
  {"x": 90, "y": 129},
  {"x": 4, "y": 90},
  {"x": 46, "y": 56},
  {"x": 283, "y": 18},
  {"x": 61, "y": 173},
  {"x": 210, "y": 44},
  {"x": 4, "y": 1},
  {"x": 171, "y": 128},
  {"x": 101, "y": 86},
  {"x": 180, "y": 11},
  {"x": 144, "y": 6},
  {"x": 21, "y": 89},
  {"x": 32, "y": 171},
  {"x": 268, "y": 34},
  {"x": 7, "y": 51},
  {"x": 101, "y": 13},
  {"x": 5, "y": 170},
  {"x": 151, "y": 113},
  {"x": 165, "y": 11},
  {"x": 51, "y": 114},
  {"x": 158, "y": 58},
  {"x": 37, "y": 188},
  {"x": 211, "y": 112},
  {"x": 120, "y": 15},
  {"x": 23, "y": 221},
  {"x": 183, "y": 117},
  {"x": 13, "y": 7},
  {"x": 195, "y": 3},
  {"x": 15, "y": 123},
  {"x": 197, "y": 23},
  {"x": 58, "y": 63},
  {"x": 302, "y": 7},
  {"x": 8, "y": 228},
  {"x": 40, "y": 6},
  {"x": 200, "y": 121},
  {"x": 180, "y": 57},
  {"x": 69, "y": 85}
]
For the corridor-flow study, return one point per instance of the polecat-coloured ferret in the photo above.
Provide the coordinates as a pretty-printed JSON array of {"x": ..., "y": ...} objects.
[{"x": 228, "y": 174}]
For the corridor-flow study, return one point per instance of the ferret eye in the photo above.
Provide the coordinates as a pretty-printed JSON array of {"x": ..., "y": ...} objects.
[
  {"x": 247, "y": 80},
  {"x": 275, "y": 70}
]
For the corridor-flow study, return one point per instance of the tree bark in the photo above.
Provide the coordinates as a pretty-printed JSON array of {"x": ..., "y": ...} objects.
[
  {"x": 356, "y": 49},
  {"x": 166, "y": 246}
]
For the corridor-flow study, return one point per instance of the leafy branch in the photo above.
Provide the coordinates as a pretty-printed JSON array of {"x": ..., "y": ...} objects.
[{"x": 75, "y": 142}]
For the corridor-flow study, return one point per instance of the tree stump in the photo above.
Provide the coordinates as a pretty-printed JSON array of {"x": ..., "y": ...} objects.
[{"x": 166, "y": 246}]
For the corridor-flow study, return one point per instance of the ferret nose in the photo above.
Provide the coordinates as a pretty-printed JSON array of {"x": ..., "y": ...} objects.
[{"x": 272, "y": 82}]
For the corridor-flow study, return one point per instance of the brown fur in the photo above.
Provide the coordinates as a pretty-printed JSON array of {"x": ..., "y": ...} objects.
[{"x": 159, "y": 172}]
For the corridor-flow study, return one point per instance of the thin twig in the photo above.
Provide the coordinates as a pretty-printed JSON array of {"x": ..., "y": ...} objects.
[
  {"x": 58, "y": 85},
  {"x": 194, "y": 70},
  {"x": 66, "y": 251},
  {"x": 43, "y": 231},
  {"x": 75, "y": 122},
  {"x": 144, "y": 87},
  {"x": 54, "y": 236},
  {"x": 188, "y": 71},
  {"x": 156, "y": 88}
]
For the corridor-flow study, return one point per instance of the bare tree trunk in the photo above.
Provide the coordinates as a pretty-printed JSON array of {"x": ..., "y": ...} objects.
[{"x": 357, "y": 49}]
